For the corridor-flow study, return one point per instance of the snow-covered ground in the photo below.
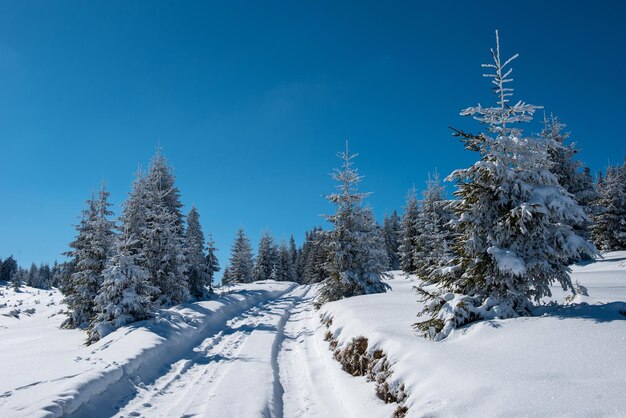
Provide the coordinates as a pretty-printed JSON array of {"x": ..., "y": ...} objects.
[
  {"x": 251, "y": 352},
  {"x": 259, "y": 350},
  {"x": 569, "y": 361}
]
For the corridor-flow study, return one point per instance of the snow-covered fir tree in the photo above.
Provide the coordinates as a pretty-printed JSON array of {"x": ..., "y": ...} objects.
[
  {"x": 409, "y": 233},
  {"x": 241, "y": 267},
  {"x": 357, "y": 255},
  {"x": 266, "y": 259},
  {"x": 609, "y": 229},
  {"x": 433, "y": 243},
  {"x": 284, "y": 269},
  {"x": 567, "y": 169},
  {"x": 162, "y": 236},
  {"x": 199, "y": 274},
  {"x": 126, "y": 294},
  {"x": 293, "y": 255},
  {"x": 8, "y": 268},
  {"x": 32, "y": 276},
  {"x": 391, "y": 231},
  {"x": 314, "y": 256},
  {"x": 212, "y": 261},
  {"x": 17, "y": 279},
  {"x": 227, "y": 278},
  {"x": 152, "y": 216},
  {"x": 515, "y": 222},
  {"x": 90, "y": 251}
]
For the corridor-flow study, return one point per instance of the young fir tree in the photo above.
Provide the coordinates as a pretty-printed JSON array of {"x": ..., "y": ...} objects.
[
  {"x": 609, "y": 229},
  {"x": 515, "y": 222},
  {"x": 212, "y": 261},
  {"x": 433, "y": 244},
  {"x": 240, "y": 269},
  {"x": 357, "y": 256},
  {"x": 126, "y": 294},
  {"x": 90, "y": 251},
  {"x": 199, "y": 272},
  {"x": 266, "y": 258},
  {"x": 409, "y": 233},
  {"x": 227, "y": 278},
  {"x": 391, "y": 231}
]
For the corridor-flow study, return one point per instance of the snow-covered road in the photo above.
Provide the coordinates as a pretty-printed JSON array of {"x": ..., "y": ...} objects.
[{"x": 266, "y": 362}]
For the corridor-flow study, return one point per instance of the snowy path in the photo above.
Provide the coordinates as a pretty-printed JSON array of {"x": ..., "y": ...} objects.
[
  {"x": 266, "y": 362},
  {"x": 309, "y": 390}
]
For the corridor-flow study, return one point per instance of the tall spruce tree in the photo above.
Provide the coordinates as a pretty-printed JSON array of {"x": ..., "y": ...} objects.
[
  {"x": 212, "y": 261},
  {"x": 433, "y": 244},
  {"x": 266, "y": 259},
  {"x": 90, "y": 251},
  {"x": 409, "y": 233},
  {"x": 284, "y": 269},
  {"x": 315, "y": 255},
  {"x": 609, "y": 229},
  {"x": 391, "y": 230},
  {"x": 162, "y": 233},
  {"x": 357, "y": 256},
  {"x": 241, "y": 267},
  {"x": 199, "y": 272},
  {"x": 293, "y": 255},
  {"x": 515, "y": 222}
]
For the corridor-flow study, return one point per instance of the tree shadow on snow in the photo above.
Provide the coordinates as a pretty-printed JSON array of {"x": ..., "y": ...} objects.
[{"x": 606, "y": 312}]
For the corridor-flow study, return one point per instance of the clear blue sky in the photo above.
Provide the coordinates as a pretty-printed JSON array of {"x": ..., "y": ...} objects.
[{"x": 251, "y": 100}]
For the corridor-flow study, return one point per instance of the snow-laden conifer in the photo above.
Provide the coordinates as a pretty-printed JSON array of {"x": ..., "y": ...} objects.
[
  {"x": 409, "y": 233},
  {"x": 284, "y": 269},
  {"x": 266, "y": 259},
  {"x": 609, "y": 229},
  {"x": 212, "y": 261},
  {"x": 391, "y": 231},
  {"x": 566, "y": 168},
  {"x": 199, "y": 274},
  {"x": 240, "y": 269},
  {"x": 433, "y": 243},
  {"x": 126, "y": 294},
  {"x": 90, "y": 251},
  {"x": 515, "y": 222},
  {"x": 154, "y": 217},
  {"x": 357, "y": 255}
]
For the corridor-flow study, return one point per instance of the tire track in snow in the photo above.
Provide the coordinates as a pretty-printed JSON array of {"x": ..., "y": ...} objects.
[
  {"x": 310, "y": 390},
  {"x": 194, "y": 386}
]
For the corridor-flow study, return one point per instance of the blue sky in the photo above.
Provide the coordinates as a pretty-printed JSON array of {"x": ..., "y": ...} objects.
[{"x": 251, "y": 100}]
